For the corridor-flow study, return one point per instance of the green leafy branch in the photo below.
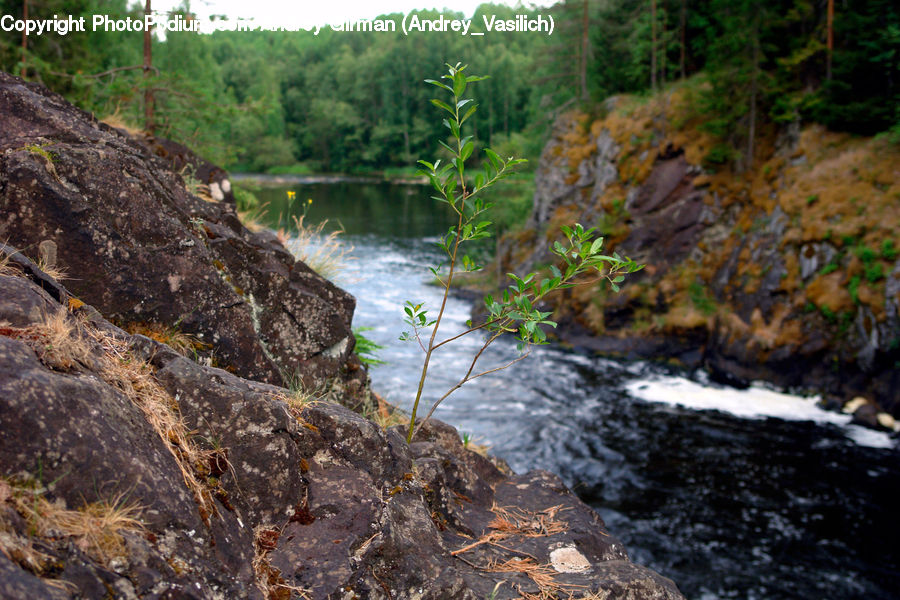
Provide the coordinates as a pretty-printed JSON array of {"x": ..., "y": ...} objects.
[{"x": 516, "y": 312}]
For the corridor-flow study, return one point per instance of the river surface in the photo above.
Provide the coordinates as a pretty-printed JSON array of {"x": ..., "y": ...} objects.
[{"x": 732, "y": 494}]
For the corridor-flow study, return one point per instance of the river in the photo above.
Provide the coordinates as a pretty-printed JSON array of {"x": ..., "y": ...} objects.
[{"x": 747, "y": 494}]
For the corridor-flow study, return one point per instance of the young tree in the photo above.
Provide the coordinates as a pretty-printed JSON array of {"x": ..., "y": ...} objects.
[
  {"x": 24, "y": 71},
  {"x": 149, "y": 126}
]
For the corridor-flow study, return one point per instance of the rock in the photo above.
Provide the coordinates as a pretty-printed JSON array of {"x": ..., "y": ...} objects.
[
  {"x": 866, "y": 415},
  {"x": 887, "y": 421},
  {"x": 142, "y": 249},
  {"x": 748, "y": 275},
  {"x": 854, "y": 405},
  {"x": 286, "y": 497}
]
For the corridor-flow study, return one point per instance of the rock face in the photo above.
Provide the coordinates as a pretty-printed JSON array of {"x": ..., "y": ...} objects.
[
  {"x": 238, "y": 490},
  {"x": 128, "y": 470},
  {"x": 788, "y": 273},
  {"x": 147, "y": 252}
]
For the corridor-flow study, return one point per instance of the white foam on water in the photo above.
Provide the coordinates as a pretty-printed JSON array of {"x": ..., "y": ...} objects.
[{"x": 754, "y": 403}]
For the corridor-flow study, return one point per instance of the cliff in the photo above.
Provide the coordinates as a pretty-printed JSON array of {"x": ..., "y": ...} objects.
[
  {"x": 786, "y": 272},
  {"x": 131, "y": 470}
]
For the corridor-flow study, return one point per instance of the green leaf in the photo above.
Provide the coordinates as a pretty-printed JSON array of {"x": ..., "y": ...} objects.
[
  {"x": 444, "y": 144},
  {"x": 459, "y": 84},
  {"x": 439, "y": 84},
  {"x": 444, "y": 105},
  {"x": 468, "y": 114},
  {"x": 494, "y": 158},
  {"x": 467, "y": 150}
]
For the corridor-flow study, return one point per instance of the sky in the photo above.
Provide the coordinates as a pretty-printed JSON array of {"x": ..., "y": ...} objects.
[{"x": 308, "y": 13}]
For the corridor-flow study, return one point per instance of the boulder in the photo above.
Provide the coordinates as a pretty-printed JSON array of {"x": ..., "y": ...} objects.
[
  {"x": 148, "y": 246},
  {"x": 252, "y": 491}
]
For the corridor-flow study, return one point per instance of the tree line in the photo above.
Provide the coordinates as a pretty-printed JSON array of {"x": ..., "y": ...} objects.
[{"x": 353, "y": 101}]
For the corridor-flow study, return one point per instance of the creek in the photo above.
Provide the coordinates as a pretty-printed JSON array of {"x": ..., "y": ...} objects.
[{"x": 733, "y": 494}]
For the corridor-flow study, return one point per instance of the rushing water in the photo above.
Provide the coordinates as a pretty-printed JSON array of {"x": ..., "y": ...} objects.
[{"x": 732, "y": 494}]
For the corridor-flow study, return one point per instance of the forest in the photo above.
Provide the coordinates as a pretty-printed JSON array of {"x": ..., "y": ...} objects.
[{"x": 352, "y": 102}]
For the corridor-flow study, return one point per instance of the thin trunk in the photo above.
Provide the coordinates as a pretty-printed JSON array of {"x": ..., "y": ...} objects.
[
  {"x": 148, "y": 65},
  {"x": 683, "y": 54},
  {"x": 653, "y": 45},
  {"x": 406, "y": 147},
  {"x": 665, "y": 47},
  {"x": 406, "y": 120},
  {"x": 754, "y": 84},
  {"x": 830, "y": 28},
  {"x": 506, "y": 112},
  {"x": 584, "y": 49},
  {"x": 24, "y": 71}
]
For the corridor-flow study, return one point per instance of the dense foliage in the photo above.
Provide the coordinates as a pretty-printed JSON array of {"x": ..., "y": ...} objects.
[{"x": 345, "y": 101}]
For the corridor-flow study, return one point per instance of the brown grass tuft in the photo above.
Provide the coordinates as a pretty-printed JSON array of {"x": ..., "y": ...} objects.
[
  {"x": 386, "y": 414},
  {"x": 326, "y": 254},
  {"x": 134, "y": 378},
  {"x": 58, "y": 341},
  {"x": 117, "y": 121},
  {"x": 541, "y": 575},
  {"x": 63, "y": 342},
  {"x": 96, "y": 528},
  {"x": 8, "y": 268},
  {"x": 517, "y": 521},
  {"x": 268, "y": 578},
  {"x": 182, "y": 343}
]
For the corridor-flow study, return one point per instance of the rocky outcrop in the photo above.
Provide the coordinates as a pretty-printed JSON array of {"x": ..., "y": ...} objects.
[
  {"x": 155, "y": 249},
  {"x": 130, "y": 471},
  {"x": 788, "y": 273}
]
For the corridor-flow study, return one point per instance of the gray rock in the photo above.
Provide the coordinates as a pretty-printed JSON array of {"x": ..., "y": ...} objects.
[{"x": 142, "y": 249}]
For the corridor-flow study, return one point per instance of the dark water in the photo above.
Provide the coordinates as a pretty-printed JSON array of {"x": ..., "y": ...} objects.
[{"x": 752, "y": 507}]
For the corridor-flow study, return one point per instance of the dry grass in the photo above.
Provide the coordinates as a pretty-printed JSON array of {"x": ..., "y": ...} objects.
[
  {"x": 96, "y": 528},
  {"x": 476, "y": 447},
  {"x": 62, "y": 342},
  {"x": 193, "y": 185},
  {"x": 268, "y": 578},
  {"x": 57, "y": 341},
  {"x": 297, "y": 401},
  {"x": 512, "y": 521},
  {"x": 326, "y": 254},
  {"x": 134, "y": 378},
  {"x": 386, "y": 414},
  {"x": 252, "y": 218},
  {"x": 517, "y": 521},
  {"x": 117, "y": 121},
  {"x": 182, "y": 343},
  {"x": 8, "y": 268},
  {"x": 541, "y": 575}
]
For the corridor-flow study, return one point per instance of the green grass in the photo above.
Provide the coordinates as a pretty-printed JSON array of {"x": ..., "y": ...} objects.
[{"x": 699, "y": 298}]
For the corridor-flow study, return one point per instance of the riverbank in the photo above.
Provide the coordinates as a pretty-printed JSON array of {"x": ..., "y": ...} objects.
[{"x": 787, "y": 273}]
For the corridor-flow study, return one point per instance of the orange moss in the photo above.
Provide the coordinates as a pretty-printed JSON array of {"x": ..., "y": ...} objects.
[
  {"x": 684, "y": 317},
  {"x": 791, "y": 281},
  {"x": 830, "y": 291}
]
